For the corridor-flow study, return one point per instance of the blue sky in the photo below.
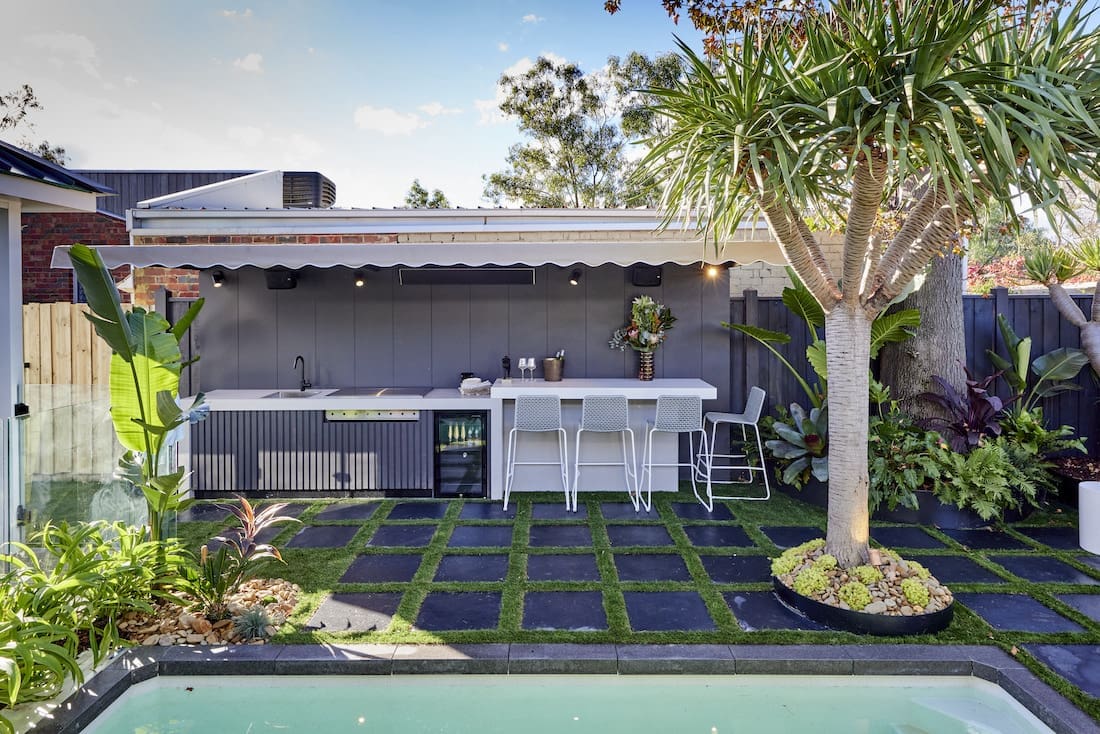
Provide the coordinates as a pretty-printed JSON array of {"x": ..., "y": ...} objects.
[{"x": 372, "y": 94}]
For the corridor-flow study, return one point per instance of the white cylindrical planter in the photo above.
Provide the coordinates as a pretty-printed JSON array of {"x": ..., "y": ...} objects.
[{"x": 1088, "y": 516}]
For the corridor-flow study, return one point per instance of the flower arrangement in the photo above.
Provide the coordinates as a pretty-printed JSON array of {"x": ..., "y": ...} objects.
[{"x": 649, "y": 324}]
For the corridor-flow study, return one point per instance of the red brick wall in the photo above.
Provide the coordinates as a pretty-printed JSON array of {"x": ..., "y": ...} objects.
[
  {"x": 181, "y": 283},
  {"x": 43, "y": 232}
]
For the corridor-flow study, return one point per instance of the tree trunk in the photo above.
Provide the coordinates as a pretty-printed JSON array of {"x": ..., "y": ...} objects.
[
  {"x": 1090, "y": 343},
  {"x": 848, "y": 347},
  {"x": 939, "y": 346}
]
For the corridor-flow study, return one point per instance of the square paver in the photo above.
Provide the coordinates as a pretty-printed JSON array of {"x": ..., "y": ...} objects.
[
  {"x": 487, "y": 511},
  {"x": 547, "y": 511},
  {"x": 638, "y": 535},
  {"x": 560, "y": 536},
  {"x": 411, "y": 536},
  {"x": 346, "y": 511},
  {"x": 357, "y": 612},
  {"x": 323, "y": 536},
  {"x": 380, "y": 569},
  {"x": 418, "y": 511},
  {"x": 1017, "y": 612},
  {"x": 1079, "y": 664},
  {"x": 459, "y": 610},
  {"x": 651, "y": 567},
  {"x": 957, "y": 570},
  {"x": 737, "y": 569},
  {"x": 572, "y": 567},
  {"x": 789, "y": 536},
  {"x": 909, "y": 537},
  {"x": 626, "y": 511},
  {"x": 1087, "y": 604},
  {"x": 983, "y": 539},
  {"x": 696, "y": 511},
  {"x": 204, "y": 512},
  {"x": 718, "y": 536},
  {"x": 1090, "y": 560},
  {"x": 1043, "y": 569},
  {"x": 660, "y": 611},
  {"x": 290, "y": 509},
  {"x": 472, "y": 568},
  {"x": 762, "y": 610},
  {"x": 577, "y": 611},
  {"x": 1061, "y": 538},
  {"x": 479, "y": 536}
]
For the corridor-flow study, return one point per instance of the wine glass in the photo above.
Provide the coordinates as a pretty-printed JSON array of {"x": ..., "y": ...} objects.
[
  {"x": 531, "y": 366},
  {"x": 524, "y": 365}
]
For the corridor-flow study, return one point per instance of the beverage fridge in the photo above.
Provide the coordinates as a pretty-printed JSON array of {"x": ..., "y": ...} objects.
[{"x": 461, "y": 467}]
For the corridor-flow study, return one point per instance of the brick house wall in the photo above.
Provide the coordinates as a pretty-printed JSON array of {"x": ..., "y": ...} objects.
[{"x": 43, "y": 232}]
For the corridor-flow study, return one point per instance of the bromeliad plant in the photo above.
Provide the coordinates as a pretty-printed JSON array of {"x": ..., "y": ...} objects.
[
  {"x": 145, "y": 374},
  {"x": 801, "y": 449}
]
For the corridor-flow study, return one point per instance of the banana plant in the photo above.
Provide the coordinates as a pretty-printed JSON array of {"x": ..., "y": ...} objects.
[
  {"x": 1052, "y": 371},
  {"x": 145, "y": 374}
]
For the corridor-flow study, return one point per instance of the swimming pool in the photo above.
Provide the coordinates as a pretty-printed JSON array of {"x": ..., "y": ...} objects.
[{"x": 578, "y": 704}]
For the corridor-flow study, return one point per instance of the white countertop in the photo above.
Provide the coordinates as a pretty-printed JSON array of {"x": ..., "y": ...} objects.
[
  {"x": 632, "y": 388},
  {"x": 437, "y": 399}
]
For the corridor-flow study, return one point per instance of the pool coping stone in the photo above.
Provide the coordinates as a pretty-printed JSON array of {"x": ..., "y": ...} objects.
[{"x": 988, "y": 663}]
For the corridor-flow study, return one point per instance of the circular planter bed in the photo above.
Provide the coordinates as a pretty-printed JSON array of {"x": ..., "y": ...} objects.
[
  {"x": 1070, "y": 471},
  {"x": 863, "y": 623}
]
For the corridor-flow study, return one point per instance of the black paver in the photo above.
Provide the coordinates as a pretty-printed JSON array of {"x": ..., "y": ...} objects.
[
  {"x": 378, "y": 569},
  {"x": 1090, "y": 560},
  {"x": 577, "y": 611},
  {"x": 571, "y": 567},
  {"x": 203, "y": 512},
  {"x": 1079, "y": 664},
  {"x": 292, "y": 509},
  {"x": 651, "y": 567},
  {"x": 667, "y": 610},
  {"x": 356, "y": 612},
  {"x": 418, "y": 511},
  {"x": 1043, "y": 569},
  {"x": 487, "y": 511},
  {"x": 983, "y": 539},
  {"x": 696, "y": 511},
  {"x": 1087, "y": 604},
  {"x": 560, "y": 536},
  {"x": 737, "y": 569},
  {"x": 459, "y": 610},
  {"x": 718, "y": 536},
  {"x": 346, "y": 511},
  {"x": 266, "y": 535},
  {"x": 412, "y": 536},
  {"x": 909, "y": 537},
  {"x": 626, "y": 511},
  {"x": 1060, "y": 538},
  {"x": 1017, "y": 613},
  {"x": 547, "y": 511},
  {"x": 638, "y": 535},
  {"x": 957, "y": 570},
  {"x": 472, "y": 568},
  {"x": 323, "y": 536},
  {"x": 761, "y": 610},
  {"x": 474, "y": 536},
  {"x": 789, "y": 537}
]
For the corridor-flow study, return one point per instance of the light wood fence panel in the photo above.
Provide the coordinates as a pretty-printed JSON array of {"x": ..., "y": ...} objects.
[{"x": 60, "y": 346}]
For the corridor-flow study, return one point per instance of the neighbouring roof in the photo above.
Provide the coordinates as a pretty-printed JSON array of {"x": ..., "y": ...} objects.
[
  {"x": 138, "y": 185},
  {"x": 18, "y": 162}
]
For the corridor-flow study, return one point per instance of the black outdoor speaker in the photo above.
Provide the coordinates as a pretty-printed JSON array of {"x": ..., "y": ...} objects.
[
  {"x": 281, "y": 279},
  {"x": 645, "y": 276}
]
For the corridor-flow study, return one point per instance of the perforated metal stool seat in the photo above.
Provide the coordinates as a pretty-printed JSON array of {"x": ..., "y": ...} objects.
[
  {"x": 709, "y": 462},
  {"x": 537, "y": 414},
  {"x": 607, "y": 414},
  {"x": 675, "y": 414}
]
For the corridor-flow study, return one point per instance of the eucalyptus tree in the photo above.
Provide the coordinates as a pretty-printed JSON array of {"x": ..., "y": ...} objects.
[
  {"x": 15, "y": 108},
  {"x": 418, "y": 197},
  {"x": 946, "y": 103}
]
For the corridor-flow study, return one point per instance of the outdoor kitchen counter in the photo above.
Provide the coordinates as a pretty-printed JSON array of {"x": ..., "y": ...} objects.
[
  {"x": 578, "y": 388},
  {"x": 435, "y": 399}
]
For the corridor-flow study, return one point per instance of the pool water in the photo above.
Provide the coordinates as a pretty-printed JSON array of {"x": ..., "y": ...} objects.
[{"x": 510, "y": 704}]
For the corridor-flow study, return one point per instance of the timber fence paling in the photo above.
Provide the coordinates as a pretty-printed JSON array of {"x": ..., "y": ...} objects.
[{"x": 1029, "y": 315}]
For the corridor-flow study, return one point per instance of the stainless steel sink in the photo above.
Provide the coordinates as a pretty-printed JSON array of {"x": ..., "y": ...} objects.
[
  {"x": 380, "y": 392},
  {"x": 293, "y": 394}
]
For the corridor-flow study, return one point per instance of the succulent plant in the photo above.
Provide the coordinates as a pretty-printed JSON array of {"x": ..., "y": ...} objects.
[
  {"x": 253, "y": 624},
  {"x": 803, "y": 443},
  {"x": 810, "y": 581},
  {"x": 915, "y": 592},
  {"x": 785, "y": 563},
  {"x": 867, "y": 574},
  {"x": 825, "y": 562},
  {"x": 855, "y": 595}
]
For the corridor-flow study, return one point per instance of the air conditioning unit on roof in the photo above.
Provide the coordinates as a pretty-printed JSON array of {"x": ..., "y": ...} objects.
[{"x": 308, "y": 190}]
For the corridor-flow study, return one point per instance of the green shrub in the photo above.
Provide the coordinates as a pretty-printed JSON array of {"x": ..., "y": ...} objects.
[
  {"x": 867, "y": 574},
  {"x": 825, "y": 562},
  {"x": 855, "y": 595},
  {"x": 915, "y": 592},
  {"x": 810, "y": 581},
  {"x": 997, "y": 475}
]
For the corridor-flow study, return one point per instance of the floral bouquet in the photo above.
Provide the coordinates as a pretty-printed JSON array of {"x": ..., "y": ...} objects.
[{"x": 649, "y": 323}]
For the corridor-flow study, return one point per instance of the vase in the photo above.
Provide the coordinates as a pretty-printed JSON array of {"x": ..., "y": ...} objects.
[{"x": 645, "y": 365}]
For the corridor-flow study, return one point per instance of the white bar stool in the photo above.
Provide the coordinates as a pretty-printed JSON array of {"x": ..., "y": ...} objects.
[
  {"x": 537, "y": 414},
  {"x": 607, "y": 414},
  {"x": 705, "y": 465},
  {"x": 675, "y": 414}
]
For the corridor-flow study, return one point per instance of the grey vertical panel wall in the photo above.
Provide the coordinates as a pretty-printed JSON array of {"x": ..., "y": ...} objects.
[
  {"x": 386, "y": 333},
  {"x": 135, "y": 186}
]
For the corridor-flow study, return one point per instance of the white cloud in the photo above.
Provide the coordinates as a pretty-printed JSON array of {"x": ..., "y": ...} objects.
[
  {"x": 435, "y": 109},
  {"x": 252, "y": 63},
  {"x": 489, "y": 112},
  {"x": 532, "y": 18},
  {"x": 69, "y": 47},
  {"x": 246, "y": 13},
  {"x": 157, "y": 106},
  {"x": 245, "y": 135},
  {"x": 502, "y": 47},
  {"x": 129, "y": 80},
  {"x": 387, "y": 121},
  {"x": 489, "y": 109},
  {"x": 298, "y": 148}
]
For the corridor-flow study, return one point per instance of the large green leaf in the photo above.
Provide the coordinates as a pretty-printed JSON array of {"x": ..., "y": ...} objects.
[
  {"x": 759, "y": 334},
  {"x": 815, "y": 353},
  {"x": 893, "y": 327},
  {"x": 1059, "y": 364},
  {"x": 799, "y": 300},
  {"x": 103, "y": 299},
  {"x": 153, "y": 368}
]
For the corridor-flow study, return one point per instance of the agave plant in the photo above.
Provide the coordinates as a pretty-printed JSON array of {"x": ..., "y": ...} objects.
[{"x": 803, "y": 442}]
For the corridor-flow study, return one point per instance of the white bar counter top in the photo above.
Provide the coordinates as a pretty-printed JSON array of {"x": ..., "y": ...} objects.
[
  {"x": 322, "y": 399},
  {"x": 633, "y": 388}
]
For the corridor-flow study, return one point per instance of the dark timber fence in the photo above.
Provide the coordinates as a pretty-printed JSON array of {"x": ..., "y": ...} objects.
[{"x": 1030, "y": 315}]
